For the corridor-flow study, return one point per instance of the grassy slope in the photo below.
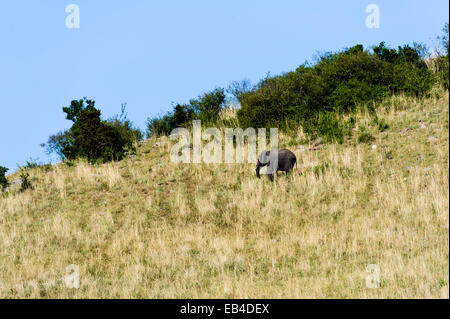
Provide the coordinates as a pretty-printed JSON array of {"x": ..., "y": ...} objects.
[{"x": 144, "y": 227}]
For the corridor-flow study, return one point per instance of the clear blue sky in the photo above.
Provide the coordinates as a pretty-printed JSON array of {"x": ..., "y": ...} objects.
[{"x": 152, "y": 53}]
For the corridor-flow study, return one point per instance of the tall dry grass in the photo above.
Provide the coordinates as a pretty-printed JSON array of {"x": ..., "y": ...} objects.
[{"x": 147, "y": 228}]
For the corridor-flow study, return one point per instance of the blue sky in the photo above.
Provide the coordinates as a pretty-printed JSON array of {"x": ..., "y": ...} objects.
[{"x": 151, "y": 53}]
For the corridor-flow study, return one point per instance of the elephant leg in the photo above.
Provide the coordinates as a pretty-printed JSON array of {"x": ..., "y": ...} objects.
[{"x": 270, "y": 176}]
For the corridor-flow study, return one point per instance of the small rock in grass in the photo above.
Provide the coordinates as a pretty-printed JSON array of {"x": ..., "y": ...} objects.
[
  {"x": 17, "y": 181},
  {"x": 432, "y": 139},
  {"x": 374, "y": 147}
]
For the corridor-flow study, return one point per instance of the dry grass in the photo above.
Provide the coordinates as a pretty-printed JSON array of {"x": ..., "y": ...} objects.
[{"x": 147, "y": 228}]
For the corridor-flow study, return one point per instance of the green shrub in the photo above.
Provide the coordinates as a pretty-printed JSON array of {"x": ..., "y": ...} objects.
[
  {"x": 31, "y": 163},
  {"x": 442, "y": 63},
  {"x": 26, "y": 183},
  {"x": 206, "y": 108},
  {"x": 124, "y": 126},
  {"x": 328, "y": 126},
  {"x": 158, "y": 126},
  {"x": 61, "y": 143},
  {"x": 366, "y": 137},
  {"x": 352, "y": 78},
  {"x": 92, "y": 138},
  {"x": 443, "y": 70},
  {"x": 315, "y": 96},
  {"x": 3, "y": 180}
]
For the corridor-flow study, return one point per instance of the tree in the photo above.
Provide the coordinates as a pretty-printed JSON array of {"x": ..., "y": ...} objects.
[
  {"x": 61, "y": 144},
  {"x": 77, "y": 107},
  {"x": 158, "y": 126},
  {"x": 442, "y": 62},
  {"x": 238, "y": 88},
  {"x": 444, "y": 39},
  {"x": 315, "y": 96},
  {"x": 209, "y": 105},
  {"x": 3, "y": 181},
  {"x": 182, "y": 114},
  {"x": 92, "y": 138},
  {"x": 125, "y": 127}
]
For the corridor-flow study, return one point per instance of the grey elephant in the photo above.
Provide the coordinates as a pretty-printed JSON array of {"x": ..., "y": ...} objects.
[{"x": 282, "y": 160}]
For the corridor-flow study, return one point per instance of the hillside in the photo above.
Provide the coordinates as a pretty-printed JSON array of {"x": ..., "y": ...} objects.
[{"x": 147, "y": 228}]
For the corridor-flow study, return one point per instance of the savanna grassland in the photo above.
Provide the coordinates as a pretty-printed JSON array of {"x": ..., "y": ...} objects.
[{"x": 147, "y": 228}]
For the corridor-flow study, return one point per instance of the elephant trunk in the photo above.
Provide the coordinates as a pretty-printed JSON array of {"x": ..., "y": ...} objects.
[{"x": 258, "y": 167}]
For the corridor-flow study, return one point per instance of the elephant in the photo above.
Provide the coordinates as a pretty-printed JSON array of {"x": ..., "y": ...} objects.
[{"x": 282, "y": 160}]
